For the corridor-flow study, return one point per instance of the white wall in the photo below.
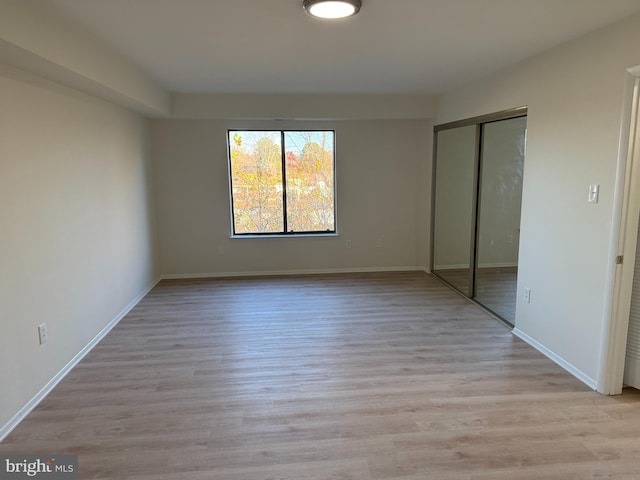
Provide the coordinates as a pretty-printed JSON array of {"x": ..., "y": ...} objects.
[
  {"x": 201, "y": 106},
  {"x": 76, "y": 235},
  {"x": 574, "y": 94},
  {"x": 37, "y": 38},
  {"x": 383, "y": 177}
]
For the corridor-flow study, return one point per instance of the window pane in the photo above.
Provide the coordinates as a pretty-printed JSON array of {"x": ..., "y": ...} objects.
[
  {"x": 310, "y": 189},
  {"x": 256, "y": 181}
]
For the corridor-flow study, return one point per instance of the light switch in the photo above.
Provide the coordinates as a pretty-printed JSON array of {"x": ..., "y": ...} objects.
[{"x": 594, "y": 193}]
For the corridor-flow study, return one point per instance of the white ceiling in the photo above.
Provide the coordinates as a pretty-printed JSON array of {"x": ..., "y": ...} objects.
[{"x": 391, "y": 46}]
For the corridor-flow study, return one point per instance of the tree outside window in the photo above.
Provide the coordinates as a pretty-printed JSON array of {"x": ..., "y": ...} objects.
[{"x": 282, "y": 182}]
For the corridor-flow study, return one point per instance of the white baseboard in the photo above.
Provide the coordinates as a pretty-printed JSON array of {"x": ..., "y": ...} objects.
[
  {"x": 460, "y": 266},
  {"x": 463, "y": 266},
  {"x": 44, "y": 391},
  {"x": 186, "y": 276},
  {"x": 498, "y": 265},
  {"x": 579, "y": 374}
]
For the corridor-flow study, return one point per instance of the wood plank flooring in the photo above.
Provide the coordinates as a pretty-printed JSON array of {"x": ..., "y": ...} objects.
[
  {"x": 496, "y": 288},
  {"x": 362, "y": 377}
]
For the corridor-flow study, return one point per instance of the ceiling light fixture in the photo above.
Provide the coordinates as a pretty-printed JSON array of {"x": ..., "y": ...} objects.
[{"x": 332, "y": 8}]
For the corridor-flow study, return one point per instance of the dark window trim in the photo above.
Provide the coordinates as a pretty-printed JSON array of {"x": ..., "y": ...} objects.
[{"x": 286, "y": 232}]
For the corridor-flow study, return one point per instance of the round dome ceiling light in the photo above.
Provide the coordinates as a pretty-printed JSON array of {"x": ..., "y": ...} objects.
[{"x": 332, "y": 8}]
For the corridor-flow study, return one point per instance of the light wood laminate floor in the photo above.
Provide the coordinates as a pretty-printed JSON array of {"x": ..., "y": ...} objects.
[
  {"x": 496, "y": 288},
  {"x": 336, "y": 377}
]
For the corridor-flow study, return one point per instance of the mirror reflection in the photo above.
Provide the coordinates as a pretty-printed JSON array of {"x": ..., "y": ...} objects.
[
  {"x": 477, "y": 200},
  {"x": 500, "y": 201},
  {"x": 454, "y": 206}
]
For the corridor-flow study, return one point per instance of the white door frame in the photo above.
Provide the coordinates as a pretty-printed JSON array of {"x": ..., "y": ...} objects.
[{"x": 624, "y": 241}]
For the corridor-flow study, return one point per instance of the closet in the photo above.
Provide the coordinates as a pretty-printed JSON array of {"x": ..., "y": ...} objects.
[{"x": 477, "y": 198}]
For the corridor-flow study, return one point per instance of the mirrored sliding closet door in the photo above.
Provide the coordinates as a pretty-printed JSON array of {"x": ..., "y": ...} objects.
[
  {"x": 477, "y": 197},
  {"x": 455, "y": 207}
]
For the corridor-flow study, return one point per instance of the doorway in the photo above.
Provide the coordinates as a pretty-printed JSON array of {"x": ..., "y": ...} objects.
[
  {"x": 620, "y": 329},
  {"x": 477, "y": 196}
]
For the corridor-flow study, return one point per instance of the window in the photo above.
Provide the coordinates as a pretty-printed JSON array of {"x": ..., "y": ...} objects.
[{"x": 282, "y": 182}]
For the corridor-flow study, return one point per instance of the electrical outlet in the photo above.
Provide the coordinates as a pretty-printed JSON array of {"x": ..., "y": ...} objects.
[
  {"x": 379, "y": 243},
  {"x": 42, "y": 333},
  {"x": 527, "y": 295},
  {"x": 348, "y": 243}
]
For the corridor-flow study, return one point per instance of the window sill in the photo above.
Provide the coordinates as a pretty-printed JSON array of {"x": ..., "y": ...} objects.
[{"x": 293, "y": 235}]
